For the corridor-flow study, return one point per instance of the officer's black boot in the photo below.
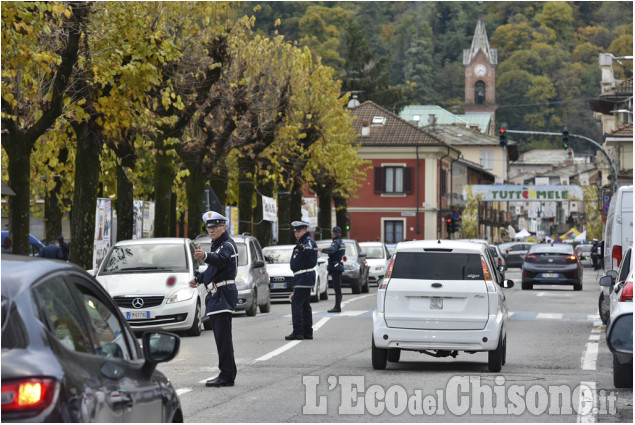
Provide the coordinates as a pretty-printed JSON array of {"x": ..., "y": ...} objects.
[{"x": 337, "y": 308}]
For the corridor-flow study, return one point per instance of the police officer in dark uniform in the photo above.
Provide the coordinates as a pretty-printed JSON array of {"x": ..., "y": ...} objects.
[
  {"x": 222, "y": 293},
  {"x": 303, "y": 262},
  {"x": 595, "y": 254},
  {"x": 335, "y": 266}
]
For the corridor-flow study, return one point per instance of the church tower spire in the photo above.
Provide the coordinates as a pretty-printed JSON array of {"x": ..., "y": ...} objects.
[{"x": 480, "y": 75}]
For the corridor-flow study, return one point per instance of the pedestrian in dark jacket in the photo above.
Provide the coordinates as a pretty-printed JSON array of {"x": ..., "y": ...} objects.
[
  {"x": 7, "y": 245},
  {"x": 52, "y": 251},
  {"x": 222, "y": 293},
  {"x": 335, "y": 266},
  {"x": 303, "y": 261},
  {"x": 64, "y": 246}
]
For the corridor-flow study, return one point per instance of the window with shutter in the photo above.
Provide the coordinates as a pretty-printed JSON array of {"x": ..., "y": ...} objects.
[{"x": 393, "y": 180}]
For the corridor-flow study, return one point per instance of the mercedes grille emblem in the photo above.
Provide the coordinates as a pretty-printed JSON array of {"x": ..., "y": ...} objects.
[{"x": 137, "y": 302}]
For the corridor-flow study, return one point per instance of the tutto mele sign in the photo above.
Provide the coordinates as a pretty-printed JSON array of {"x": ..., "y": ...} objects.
[{"x": 524, "y": 193}]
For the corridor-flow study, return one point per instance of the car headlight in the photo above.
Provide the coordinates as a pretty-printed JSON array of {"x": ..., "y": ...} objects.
[
  {"x": 181, "y": 295},
  {"x": 242, "y": 282},
  {"x": 379, "y": 268},
  {"x": 348, "y": 266}
]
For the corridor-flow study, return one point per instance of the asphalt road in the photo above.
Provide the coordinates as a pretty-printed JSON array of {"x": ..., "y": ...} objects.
[{"x": 558, "y": 369}]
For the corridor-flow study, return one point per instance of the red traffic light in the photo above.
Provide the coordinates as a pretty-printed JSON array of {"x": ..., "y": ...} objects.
[
  {"x": 503, "y": 130},
  {"x": 450, "y": 220}
]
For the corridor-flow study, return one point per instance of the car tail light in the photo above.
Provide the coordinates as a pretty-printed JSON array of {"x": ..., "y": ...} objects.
[
  {"x": 171, "y": 281},
  {"x": 531, "y": 257},
  {"x": 384, "y": 283},
  {"x": 627, "y": 292},
  {"x": 571, "y": 258},
  {"x": 616, "y": 257},
  {"x": 344, "y": 258},
  {"x": 500, "y": 261},
  {"x": 30, "y": 394}
]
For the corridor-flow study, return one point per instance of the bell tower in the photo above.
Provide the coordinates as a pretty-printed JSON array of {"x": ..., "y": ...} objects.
[{"x": 480, "y": 75}]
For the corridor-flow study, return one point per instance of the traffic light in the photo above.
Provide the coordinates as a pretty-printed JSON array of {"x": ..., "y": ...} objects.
[
  {"x": 448, "y": 224},
  {"x": 455, "y": 222},
  {"x": 565, "y": 138},
  {"x": 502, "y": 136}
]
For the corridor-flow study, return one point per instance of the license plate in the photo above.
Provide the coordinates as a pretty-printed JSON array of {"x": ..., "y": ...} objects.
[
  {"x": 132, "y": 315},
  {"x": 550, "y": 275},
  {"x": 436, "y": 303},
  {"x": 280, "y": 285}
]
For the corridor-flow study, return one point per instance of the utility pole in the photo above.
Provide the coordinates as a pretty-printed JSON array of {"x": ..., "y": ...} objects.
[{"x": 546, "y": 133}]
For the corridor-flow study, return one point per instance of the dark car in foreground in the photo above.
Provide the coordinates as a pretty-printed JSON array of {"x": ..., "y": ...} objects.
[
  {"x": 553, "y": 264},
  {"x": 68, "y": 355},
  {"x": 356, "y": 268}
]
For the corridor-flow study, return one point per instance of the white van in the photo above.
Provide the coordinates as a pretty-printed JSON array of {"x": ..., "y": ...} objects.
[{"x": 618, "y": 235}]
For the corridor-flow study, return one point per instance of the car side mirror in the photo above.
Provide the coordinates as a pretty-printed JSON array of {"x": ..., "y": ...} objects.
[
  {"x": 612, "y": 273},
  {"x": 502, "y": 268},
  {"x": 258, "y": 264},
  {"x": 159, "y": 347},
  {"x": 619, "y": 336},
  {"x": 606, "y": 281},
  {"x": 507, "y": 283}
]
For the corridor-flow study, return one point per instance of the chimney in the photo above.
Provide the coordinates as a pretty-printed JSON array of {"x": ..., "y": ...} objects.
[{"x": 365, "y": 128}]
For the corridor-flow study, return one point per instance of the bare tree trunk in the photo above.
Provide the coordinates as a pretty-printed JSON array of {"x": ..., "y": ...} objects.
[
  {"x": 124, "y": 204},
  {"x": 341, "y": 214},
  {"x": 87, "y": 169},
  {"x": 324, "y": 213},
  {"x": 163, "y": 180}
]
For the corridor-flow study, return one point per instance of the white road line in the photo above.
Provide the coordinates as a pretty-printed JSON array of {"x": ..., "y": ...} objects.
[
  {"x": 356, "y": 299},
  {"x": 277, "y": 351},
  {"x": 555, "y": 316},
  {"x": 587, "y": 404},
  {"x": 541, "y": 294},
  {"x": 182, "y": 391},
  {"x": 590, "y": 356},
  {"x": 351, "y": 313},
  {"x": 289, "y": 345}
]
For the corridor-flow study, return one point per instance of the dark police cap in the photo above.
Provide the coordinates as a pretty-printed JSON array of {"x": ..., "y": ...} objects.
[
  {"x": 336, "y": 229},
  {"x": 299, "y": 225}
]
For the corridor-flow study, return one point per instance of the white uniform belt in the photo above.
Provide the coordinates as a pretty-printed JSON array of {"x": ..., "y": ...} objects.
[
  {"x": 213, "y": 286},
  {"x": 302, "y": 271}
]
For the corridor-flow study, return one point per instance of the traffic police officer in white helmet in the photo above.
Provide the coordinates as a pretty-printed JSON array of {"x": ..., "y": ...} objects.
[
  {"x": 303, "y": 261},
  {"x": 222, "y": 293}
]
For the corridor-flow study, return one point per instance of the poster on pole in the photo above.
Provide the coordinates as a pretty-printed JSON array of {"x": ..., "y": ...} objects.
[
  {"x": 269, "y": 209},
  {"x": 309, "y": 211},
  {"x": 103, "y": 225}
]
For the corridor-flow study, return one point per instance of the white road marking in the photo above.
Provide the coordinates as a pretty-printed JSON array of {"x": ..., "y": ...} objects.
[
  {"x": 587, "y": 397},
  {"x": 277, "y": 351},
  {"x": 351, "y": 313},
  {"x": 182, "y": 391},
  {"x": 541, "y": 294},
  {"x": 554, "y": 316}
]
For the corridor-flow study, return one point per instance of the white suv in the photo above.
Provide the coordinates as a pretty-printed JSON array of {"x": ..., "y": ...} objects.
[{"x": 439, "y": 298}]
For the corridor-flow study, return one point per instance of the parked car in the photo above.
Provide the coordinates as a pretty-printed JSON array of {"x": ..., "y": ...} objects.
[
  {"x": 584, "y": 254},
  {"x": 355, "y": 274},
  {"x": 68, "y": 355},
  {"x": 619, "y": 338},
  {"x": 278, "y": 264},
  {"x": 149, "y": 280},
  {"x": 514, "y": 252},
  {"x": 498, "y": 257},
  {"x": 252, "y": 279},
  {"x": 439, "y": 298},
  {"x": 551, "y": 263},
  {"x": 618, "y": 233},
  {"x": 611, "y": 284},
  {"x": 35, "y": 244},
  {"x": 378, "y": 257},
  {"x": 391, "y": 248}
]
